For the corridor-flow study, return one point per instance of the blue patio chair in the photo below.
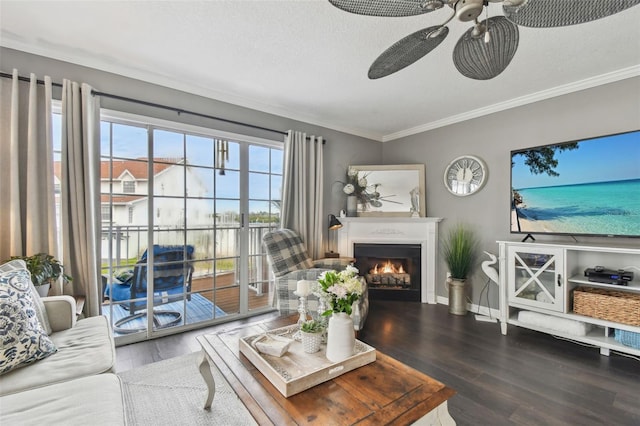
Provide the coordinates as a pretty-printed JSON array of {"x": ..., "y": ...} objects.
[{"x": 171, "y": 283}]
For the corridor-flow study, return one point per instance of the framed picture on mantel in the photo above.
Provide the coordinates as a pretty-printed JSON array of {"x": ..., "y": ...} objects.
[{"x": 393, "y": 190}]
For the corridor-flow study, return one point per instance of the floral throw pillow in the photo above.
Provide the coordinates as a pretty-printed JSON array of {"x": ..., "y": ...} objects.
[
  {"x": 41, "y": 310},
  {"x": 22, "y": 338}
]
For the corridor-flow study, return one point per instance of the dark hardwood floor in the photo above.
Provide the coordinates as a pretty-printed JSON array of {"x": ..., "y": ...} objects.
[{"x": 524, "y": 378}]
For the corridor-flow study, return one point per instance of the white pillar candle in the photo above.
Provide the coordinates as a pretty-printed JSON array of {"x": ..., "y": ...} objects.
[{"x": 303, "y": 289}]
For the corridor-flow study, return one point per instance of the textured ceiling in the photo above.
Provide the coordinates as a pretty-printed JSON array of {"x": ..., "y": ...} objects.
[{"x": 308, "y": 60}]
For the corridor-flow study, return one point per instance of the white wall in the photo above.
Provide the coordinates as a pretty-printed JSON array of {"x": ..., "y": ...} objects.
[{"x": 607, "y": 109}]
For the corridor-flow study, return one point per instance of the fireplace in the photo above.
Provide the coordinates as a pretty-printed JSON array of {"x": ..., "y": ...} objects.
[
  {"x": 419, "y": 232},
  {"x": 392, "y": 271}
]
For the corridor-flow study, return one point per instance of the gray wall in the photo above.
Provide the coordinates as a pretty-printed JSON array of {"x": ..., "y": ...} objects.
[
  {"x": 340, "y": 150},
  {"x": 606, "y": 109}
]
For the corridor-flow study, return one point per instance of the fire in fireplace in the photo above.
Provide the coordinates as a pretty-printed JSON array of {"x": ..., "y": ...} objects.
[
  {"x": 388, "y": 275},
  {"x": 392, "y": 271}
]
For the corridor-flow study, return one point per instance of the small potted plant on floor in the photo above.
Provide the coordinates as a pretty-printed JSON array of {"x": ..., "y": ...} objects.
[
  {"x": 45, "y": 270},
  {"x": 460, "y": 252},
  {"x": 311, "y": 335}
]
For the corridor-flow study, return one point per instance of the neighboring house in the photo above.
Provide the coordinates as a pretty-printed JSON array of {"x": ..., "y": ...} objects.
[
  {"x": 128, "y": 181},
  {"x": 124, "y": 187}
]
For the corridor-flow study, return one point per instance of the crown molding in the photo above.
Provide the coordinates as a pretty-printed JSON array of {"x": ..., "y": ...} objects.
[
  {"x": 99, "y": 63},
  {"x": 622, "y": 74}
]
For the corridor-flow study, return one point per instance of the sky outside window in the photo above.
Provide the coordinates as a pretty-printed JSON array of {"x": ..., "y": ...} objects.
[
  {"x": 609, "y": 158},
  {"x": 129, "y": 142}
]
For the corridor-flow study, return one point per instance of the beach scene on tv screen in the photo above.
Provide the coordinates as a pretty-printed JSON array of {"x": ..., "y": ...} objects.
[{"x": 589, "y": 186}]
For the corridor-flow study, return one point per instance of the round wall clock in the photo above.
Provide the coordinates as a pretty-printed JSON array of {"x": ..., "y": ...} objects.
[{"x": 465, "y": 175}]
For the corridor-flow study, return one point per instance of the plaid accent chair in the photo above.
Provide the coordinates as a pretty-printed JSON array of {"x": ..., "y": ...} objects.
[{"x": 289, "y": 261}]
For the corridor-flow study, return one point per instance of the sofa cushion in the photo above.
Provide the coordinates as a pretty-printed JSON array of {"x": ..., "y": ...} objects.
[
  {"x": 41, "y": 311},
  {"x": 94, "y": 400},
  {"x": 22, "y": 338},
  {"x": 84, "y": 350}
]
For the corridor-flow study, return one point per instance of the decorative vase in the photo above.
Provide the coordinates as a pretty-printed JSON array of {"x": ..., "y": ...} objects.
[
  {"x": 341, "y": 338},
  {"x": 457, "y": 297},
  {"x": 311, "y": 341},
  {"x": 352, "y": 206}
]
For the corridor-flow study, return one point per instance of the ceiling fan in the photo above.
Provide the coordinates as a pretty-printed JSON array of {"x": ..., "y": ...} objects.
[{"x": 486, "y": 49}]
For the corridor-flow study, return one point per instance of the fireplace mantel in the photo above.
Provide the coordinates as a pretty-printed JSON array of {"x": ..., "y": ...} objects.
[{"x": 396, "y": 230}]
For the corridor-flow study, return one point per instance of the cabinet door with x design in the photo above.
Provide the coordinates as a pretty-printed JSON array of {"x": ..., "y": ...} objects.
[{"x": 535, "y": 278}]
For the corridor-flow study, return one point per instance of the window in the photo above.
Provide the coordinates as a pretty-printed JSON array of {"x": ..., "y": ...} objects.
[
  {"x": 129, "y": 186},
  {"x": 106, "y": 213},
  {"x": 176, "y": 194}
]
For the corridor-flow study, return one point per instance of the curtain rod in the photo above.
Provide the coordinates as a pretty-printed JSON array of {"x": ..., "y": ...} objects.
[
  {"x": 182, "y": 111},
  {"x": 161, "y": 106},
  {"x": 21, "y": 78}
]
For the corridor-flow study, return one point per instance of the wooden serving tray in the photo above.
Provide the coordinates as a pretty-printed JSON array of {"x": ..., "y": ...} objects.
[{"x": 296, "y": 370}]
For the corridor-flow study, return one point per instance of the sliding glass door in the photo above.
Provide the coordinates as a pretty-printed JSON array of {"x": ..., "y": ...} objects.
[{"x": 183, "y": 214}]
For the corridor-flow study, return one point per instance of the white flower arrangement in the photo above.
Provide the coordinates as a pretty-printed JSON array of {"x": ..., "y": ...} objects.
[
  {"x": 367, "y": 194},
  {"x": 340, "y": 289},
  {"x": 358, "y": 186}
]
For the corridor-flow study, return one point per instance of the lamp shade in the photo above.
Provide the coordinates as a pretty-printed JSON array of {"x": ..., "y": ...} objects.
[{"x": 334, "y": 223}]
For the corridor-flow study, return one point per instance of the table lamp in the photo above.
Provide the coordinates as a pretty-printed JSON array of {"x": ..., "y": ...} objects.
[{"x": 333, "y": 224}]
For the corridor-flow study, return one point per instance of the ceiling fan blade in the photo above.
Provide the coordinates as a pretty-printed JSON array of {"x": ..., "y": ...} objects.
[
  {"x": 390, "y": 8},
  {"x": 561, "y": 13},
  {"x": 408, "y": 50},
  {"x": 483, "y": 61}
]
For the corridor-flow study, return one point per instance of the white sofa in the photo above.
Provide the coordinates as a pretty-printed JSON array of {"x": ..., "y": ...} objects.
[{"x": 76, "y": 384}]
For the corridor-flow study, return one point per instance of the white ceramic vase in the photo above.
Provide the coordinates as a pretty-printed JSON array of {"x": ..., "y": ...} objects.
[{"x": 341, "y": 338}]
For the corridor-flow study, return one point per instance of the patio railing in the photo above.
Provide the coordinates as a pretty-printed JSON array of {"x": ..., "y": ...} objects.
[{"x": 122, "y": 246}]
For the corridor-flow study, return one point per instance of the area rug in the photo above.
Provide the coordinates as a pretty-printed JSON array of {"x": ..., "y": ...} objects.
[
  {"x": 198, "y": 309},
  {"x": 172, "y": 392}
]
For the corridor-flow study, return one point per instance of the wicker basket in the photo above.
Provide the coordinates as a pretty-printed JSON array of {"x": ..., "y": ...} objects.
[{"x": 609, "y": 305}]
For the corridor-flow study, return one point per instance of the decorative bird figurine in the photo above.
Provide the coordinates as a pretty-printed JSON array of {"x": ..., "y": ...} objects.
[{"x": 491, "y": 272}]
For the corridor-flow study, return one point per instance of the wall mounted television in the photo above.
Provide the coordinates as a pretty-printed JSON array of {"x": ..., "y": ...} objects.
[{"x": 585, "y": 187}]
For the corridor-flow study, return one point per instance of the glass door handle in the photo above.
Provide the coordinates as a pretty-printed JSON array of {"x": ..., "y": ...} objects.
[{"x": 559, "y": 281}]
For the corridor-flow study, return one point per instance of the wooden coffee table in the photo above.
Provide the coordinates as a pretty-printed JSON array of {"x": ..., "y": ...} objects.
[{"x": 383, "y": 392}]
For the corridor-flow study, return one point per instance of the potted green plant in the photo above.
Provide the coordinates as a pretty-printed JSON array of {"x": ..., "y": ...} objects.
[
  {"x": 311, "y": 335},
  {"x": 45, "y": 269},
  {"x": 460, "y": 253}
]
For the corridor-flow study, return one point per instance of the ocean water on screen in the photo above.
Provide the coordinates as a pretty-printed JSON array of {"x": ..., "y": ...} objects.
[{"x": 611, "y": 208}]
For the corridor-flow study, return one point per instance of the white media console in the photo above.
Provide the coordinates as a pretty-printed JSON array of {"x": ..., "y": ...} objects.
[{"x": 537, "y": 282}]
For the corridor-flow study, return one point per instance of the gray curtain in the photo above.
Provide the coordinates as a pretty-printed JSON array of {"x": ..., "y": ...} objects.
[
  {"x": 80, "y": 204},
  {"x": 302, "y": 191},
  {"x": 27, "y": 211}
]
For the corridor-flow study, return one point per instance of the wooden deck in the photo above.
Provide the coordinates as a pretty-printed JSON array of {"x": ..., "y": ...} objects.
[{"x": 225, "y": 293}]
